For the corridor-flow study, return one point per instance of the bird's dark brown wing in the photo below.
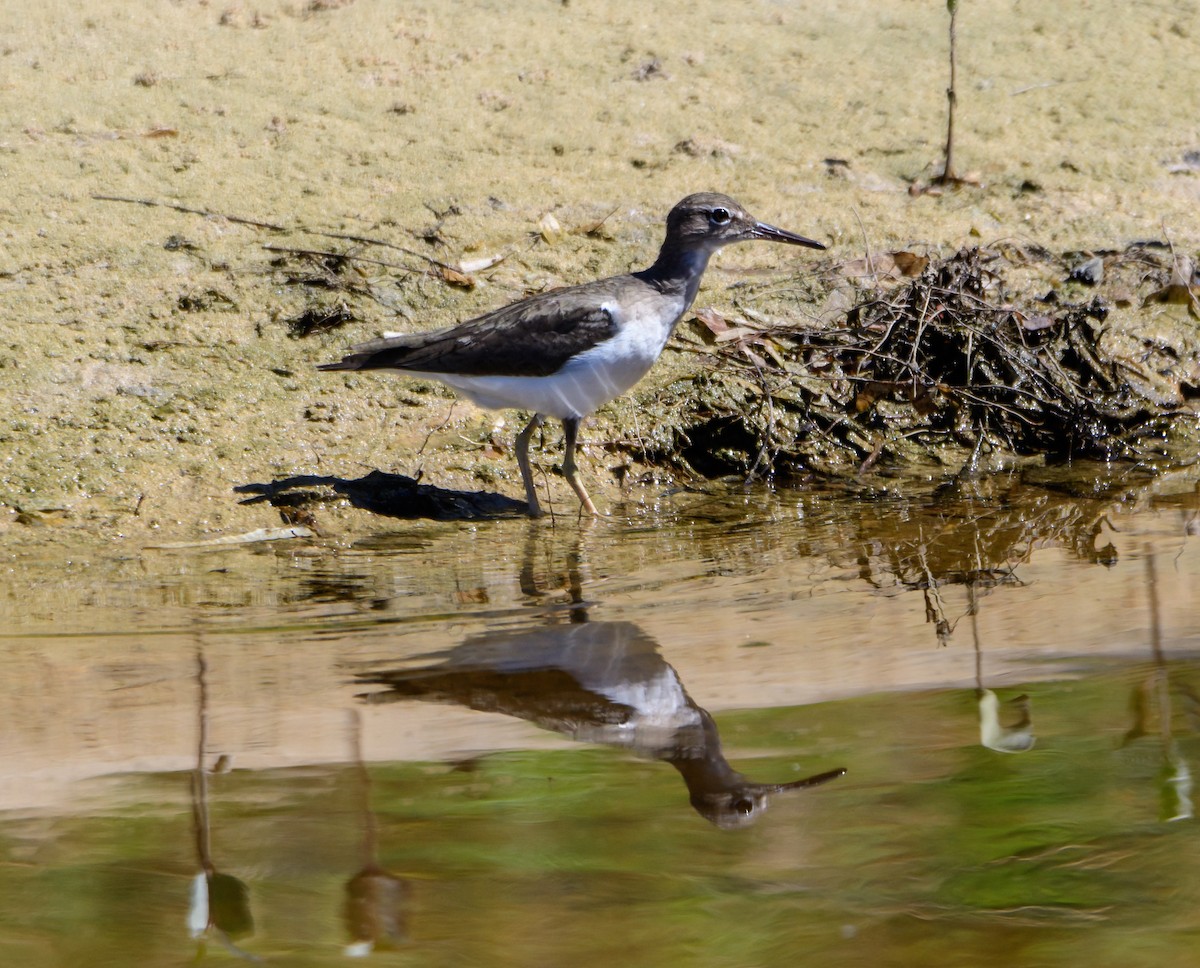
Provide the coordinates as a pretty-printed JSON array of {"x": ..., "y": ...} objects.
[{"x": 533, "y": 337}]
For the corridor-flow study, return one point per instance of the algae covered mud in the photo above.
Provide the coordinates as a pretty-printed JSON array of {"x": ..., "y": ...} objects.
[{"x": 342, "y": 169}]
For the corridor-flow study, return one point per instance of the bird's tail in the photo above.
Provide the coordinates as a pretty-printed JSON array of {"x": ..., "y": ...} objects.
[
  {"x": 385, "y": 353},
  {"x": 352, "y": 362},
  {"x": 366, "y": 357}
]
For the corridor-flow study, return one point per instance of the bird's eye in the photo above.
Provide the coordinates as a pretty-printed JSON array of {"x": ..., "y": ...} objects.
[{"x": 719, "y": 216}]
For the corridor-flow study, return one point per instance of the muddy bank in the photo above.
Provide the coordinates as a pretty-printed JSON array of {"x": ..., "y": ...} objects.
[
  {"x": 150, "y": 353},
  {"x": 970, "y": 361}
]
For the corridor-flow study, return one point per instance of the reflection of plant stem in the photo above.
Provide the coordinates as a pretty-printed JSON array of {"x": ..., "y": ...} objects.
[
  {"x": 973, "y": 611},
  {"x": 1181, "y": 775},
  {"x": 376, "y": 902},
  {"x": 219, "y": 906},
  {"x": 1152, "y": 594},
  {"x": 200, "y": 777},
  {"x": 370, "y": 827},
  {"x": 935, "y": 611}
]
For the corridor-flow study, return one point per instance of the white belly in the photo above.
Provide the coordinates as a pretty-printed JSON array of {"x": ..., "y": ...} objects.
[{"x": 585, "y": 383}]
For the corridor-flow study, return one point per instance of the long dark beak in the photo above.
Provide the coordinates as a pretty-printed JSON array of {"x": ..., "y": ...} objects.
[
  {"x": 762, "y": 230},
  {"x": 808, "y": 781}
]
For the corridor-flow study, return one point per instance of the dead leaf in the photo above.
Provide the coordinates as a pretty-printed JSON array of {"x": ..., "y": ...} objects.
[
  {"x": 161, "y": 133},
  {"x": 909, "y": 263},
  {"x": 924, "y": 402},
  {"x": 736, "y": 333},
  {"x": 455, "y": 278},
  {"x": 866, "y": 394},
  {"x": 550, "y": 229},
  {"x": 776, "y": 352},
  {"x": 886, "y": 265},
  {"x": 1176, "y": 294},
  {"x": 1183, "y": 272},
  {"x": 754, "y": 358},
  {"x": 712, "y": 321},
  {"x": 478, "y": 265}
]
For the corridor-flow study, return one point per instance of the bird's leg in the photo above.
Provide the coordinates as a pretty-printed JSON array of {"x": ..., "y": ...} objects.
[
  {"x": 570, "y": 471},
  {"x": 523, "y": 438}
]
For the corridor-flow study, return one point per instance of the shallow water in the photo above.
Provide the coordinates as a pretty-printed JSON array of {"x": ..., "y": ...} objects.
[{"x": 523, "y": 744}]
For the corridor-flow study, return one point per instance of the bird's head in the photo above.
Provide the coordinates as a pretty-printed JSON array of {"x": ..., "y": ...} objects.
[{"x": 708, "y": 220}]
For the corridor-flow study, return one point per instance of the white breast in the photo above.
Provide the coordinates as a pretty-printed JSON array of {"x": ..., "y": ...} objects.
[{"x": 588, "y": 380}]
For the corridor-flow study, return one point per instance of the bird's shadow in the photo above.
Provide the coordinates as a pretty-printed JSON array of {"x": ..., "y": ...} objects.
[{"x": 391, "y": 495}]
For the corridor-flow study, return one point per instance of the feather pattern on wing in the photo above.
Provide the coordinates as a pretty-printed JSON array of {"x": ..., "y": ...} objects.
[{"x": 533, "y": 337}]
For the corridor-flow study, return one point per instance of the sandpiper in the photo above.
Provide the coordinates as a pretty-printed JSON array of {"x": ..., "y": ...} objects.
[{"x": 566, "y": 352}]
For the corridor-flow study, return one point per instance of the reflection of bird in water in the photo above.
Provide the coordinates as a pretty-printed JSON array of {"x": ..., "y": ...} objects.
[{"x": 597, "y": 682}]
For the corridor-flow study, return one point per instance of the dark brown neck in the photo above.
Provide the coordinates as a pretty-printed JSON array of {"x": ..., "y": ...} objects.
[{"x": 677, "y": 270}]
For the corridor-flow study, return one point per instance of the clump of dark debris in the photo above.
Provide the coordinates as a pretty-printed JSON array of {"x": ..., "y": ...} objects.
[
  {"x": 949, "y": 357},
  {"x": 319, "y": 319}
]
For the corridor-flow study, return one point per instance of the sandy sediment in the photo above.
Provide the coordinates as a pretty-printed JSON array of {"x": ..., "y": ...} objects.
[{"x": 148, "y": 365}]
